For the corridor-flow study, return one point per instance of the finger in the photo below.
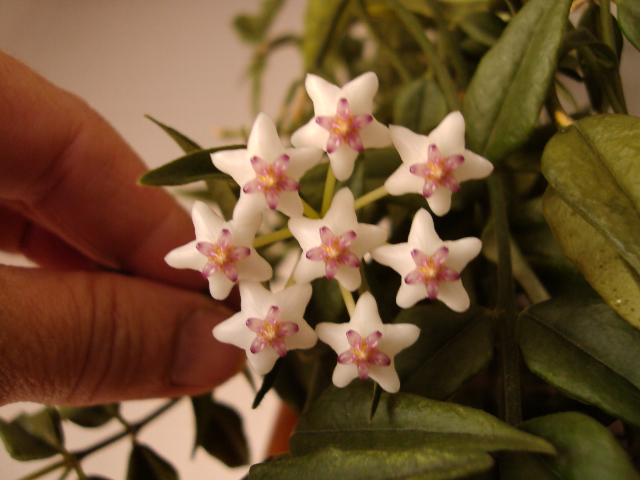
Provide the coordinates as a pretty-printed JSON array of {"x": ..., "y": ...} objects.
[
  {"x": 20, "y": 235},
  {"x": 76, "y": 177},
  {"x": 84, "y": 338}
]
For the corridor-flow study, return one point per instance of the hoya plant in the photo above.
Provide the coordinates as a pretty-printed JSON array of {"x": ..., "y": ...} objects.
[{"x": 436, "y": 245}]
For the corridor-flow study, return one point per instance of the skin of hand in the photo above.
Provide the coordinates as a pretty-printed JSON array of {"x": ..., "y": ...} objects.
[{"x": 104, "y": 319}]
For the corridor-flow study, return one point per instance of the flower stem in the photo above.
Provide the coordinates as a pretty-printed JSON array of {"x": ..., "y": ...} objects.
[
  {"x": 606, "y": 27},
  {"x": 272, "y": 237},
  {"x": 329, "y": 187},
  {"x": 371, "y": 197},
  {"x": 510, "y": 400},
  {"x": 309, "y": 211},
  {"x": 348, "y": 299},
  {"x": 439, "y": 68}
]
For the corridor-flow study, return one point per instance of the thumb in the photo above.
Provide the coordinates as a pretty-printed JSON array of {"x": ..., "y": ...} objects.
[{"x": 83, "y": 338}]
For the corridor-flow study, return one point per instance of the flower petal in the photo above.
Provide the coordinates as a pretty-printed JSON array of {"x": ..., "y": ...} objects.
[
  {"x": 310, "y": 135},
  {"x": 360, "y": 92},
  {"x": 323, "y": 94},
  {"x": 264, "y": 141},
  {"x": 342, "y": 161},
  {"x": 375, "y": 135},
  {"x": 449, "y": 135}
]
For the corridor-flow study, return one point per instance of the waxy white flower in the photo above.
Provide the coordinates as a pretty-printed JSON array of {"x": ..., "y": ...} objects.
[
  {"x": 334, "y": 245},
  {"x": 268, "y": 324},
  {"x": 366, "y": 347},
  {"x": 343, "y": 125},
  {"x": 267, "y": 173},
  {"x": 429, "y": 266},
  {"x": 222, "y": 251},
  {"x": 434, "y": 165}
]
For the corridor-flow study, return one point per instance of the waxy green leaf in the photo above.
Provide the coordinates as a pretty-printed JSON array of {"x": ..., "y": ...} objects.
[
  {"x": 420, "y": 106},
  {"x": 506, "y": 93},
  {"x": 321, "y": 19},
  {"x": 253, "y": 28},
  {"x": 600, "y": 263},
  {"x": 33, "y": 436},
  {"x": 413, "y": 463},
  {"x": 219, "y": 431},
  {"x": 452, "y": 349},
  {"x": 586, "y": 451},
  {"x": 190, "y": 168},
  {"x": 145, "y": 464},
  {"x": 629, "y": 22},
  {"x": 584, "y": 349},
  {"x": 340, "y": 419},
  {"x": 89, "y": 417},
  {"x": 593, "y": 166},
  {"x": 185, "y": 143}
]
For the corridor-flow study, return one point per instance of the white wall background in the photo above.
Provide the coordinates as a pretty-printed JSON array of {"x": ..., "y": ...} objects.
[{"x": 181, "y": 63}]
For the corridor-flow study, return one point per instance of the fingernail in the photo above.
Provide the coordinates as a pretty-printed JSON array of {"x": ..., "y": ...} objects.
[{"x": 200, "y": 360}]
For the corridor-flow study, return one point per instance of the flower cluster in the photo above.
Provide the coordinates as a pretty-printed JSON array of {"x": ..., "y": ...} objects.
[{"x": 333, "y": 245}]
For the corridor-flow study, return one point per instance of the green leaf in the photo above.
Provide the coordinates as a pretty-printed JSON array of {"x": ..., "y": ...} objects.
[
  {"x": 219, "y": 431},
  {"x": 145, "y": 464},
  {"x": 420, "y": 105},
  {"x": 33, "y": 436},
  {"x": 605, "y": 270},
  {"x": 89, "y": 417},
  {"x": 585, "y": 350},
  {"x": 586, "y": 451},
  {"x": 267, "y": 382},
  {"x": 185, "y": 143},
  {"x": 510, "y": 85},
  {"x": 321, "y": 19},
  {"x": 593, "y": 166},
  {"x": 413, "y": 463},
  {"x": 340, "y": 419},
  {"x": 452, "y": 349},
  {"x": 483, "y": 27},
  {"x": 225, "y": 196},
  {"x": 253, "y": 28},
  {"x": 190, "y": 168},
  {"x": 629, "y": 22}
]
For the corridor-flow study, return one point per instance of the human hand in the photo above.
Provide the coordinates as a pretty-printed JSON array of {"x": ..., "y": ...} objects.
[{"x": 72, "y": 332}]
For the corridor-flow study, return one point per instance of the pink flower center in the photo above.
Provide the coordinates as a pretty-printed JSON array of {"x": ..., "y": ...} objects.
[
  {"x": 431, "y": 270},
  {"x": 271, "y": 331},
  {"x": 271, "y": 180},
  {"x": 364, "y": 353},
  {"x": 343, "y": 127},
  {"x": 222, "y": 256},
  {"x": 334, "y": 251},
  {"x": 437, "y": 171}
]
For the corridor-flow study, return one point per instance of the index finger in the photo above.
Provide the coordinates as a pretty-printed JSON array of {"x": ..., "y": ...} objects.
[{"x": 67, "y": 169}]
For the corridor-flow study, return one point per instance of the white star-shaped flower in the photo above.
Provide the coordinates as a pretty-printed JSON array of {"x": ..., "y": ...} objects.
[
  {"x": 429, "y": 266},
  {"x": 334, "y": 245},
  {"x": 343, "y": 125},
  {"x": 267, "y": 173},
  {"x": 435, "y": 165},
  {"x": 366, "y": 347},
  {"x": 222, "y": 251},
  {"x": 268, "y": 324}
]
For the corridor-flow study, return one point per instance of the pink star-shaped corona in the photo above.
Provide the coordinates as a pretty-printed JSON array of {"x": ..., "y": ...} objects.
[
  {"x": 431, "y": 270},
  {"x": 271, "y": 179},
  {"x": 271, "y": 331},
  {"x": 334, "y": 251},
  {"x": 222, "y": 256},
  {"x": 437, "y": 171},
  {"x": 343, "y": 127},
  {"x": 364, "y": 353}
]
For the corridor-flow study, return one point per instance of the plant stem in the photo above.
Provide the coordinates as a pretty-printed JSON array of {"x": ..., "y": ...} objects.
[
  {"x": 272, "y": 237},
  {"x": 439, "y": 68},
  {"x": 329, "y": 187},
  {"x": 509, "y": 354},
  {"x": 348, "y": 299},
  {"x": 73, "y": 459},
  {"x": 371, "y": 197},
  {"x": 394, "y": 58}
]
